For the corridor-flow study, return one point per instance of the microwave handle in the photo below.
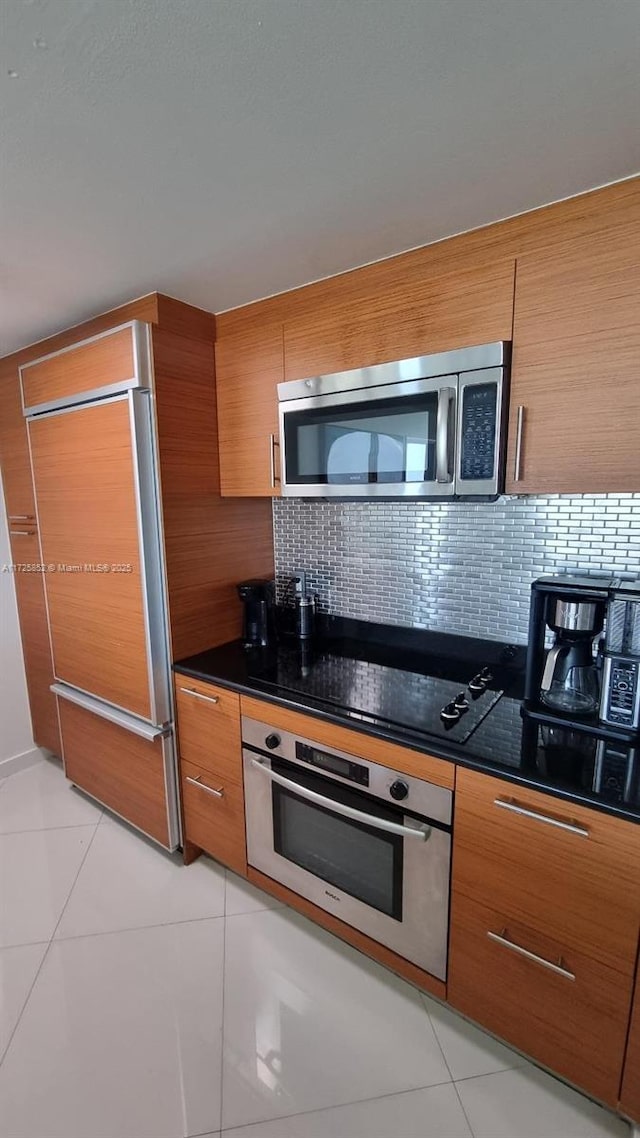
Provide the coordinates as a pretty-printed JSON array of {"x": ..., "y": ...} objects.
[
  {"x": 339, "y": 808},
  {"x": 446, "y": 396}
]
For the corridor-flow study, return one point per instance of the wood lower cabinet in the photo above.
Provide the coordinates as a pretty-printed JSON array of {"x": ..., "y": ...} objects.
[
  {"x": 125, "y": 772},
  {"x": 545, "y": 918},
  {"x": 248, "y": 369},
  {"x": 630, "y": 1092},
  {"x": 576, "y": 367},
  {"x": 210, "y": 747}
]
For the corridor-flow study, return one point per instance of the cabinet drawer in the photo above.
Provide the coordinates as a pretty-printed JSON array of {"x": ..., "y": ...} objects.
[
  {"x": 214, "y": 815},
  {"x": 209, "y": 727},
  {"x": 569, "y": 871},
  {"x": 576, "y": 1026}
]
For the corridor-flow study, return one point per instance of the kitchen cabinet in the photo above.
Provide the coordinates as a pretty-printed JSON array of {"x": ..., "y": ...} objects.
[
  {"x": 575, "y": 385},
  {"x": 545, "y": 918},
  {"x": 249, "y": 367},
  {"x": 444, "y": 310},
  {"x": 630, "y": 1093},
  {"x": 210, "y": 750}
]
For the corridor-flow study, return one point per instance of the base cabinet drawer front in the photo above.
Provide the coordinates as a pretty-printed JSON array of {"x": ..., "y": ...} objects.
[
  {"x": 214, "y": 815},
  {"x": 122, "y": 770},
  {"x": 565, "y": 1010},
  {"x": 565, "y": 869},
  {"x": 630, "y": 1093},
  {"x": 209, "y": 727}
]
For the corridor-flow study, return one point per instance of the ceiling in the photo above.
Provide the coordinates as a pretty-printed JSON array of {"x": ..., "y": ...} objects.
[{"x": 222, "y": 150}]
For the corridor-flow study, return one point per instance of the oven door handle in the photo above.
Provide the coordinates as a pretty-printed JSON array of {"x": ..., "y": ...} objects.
[{"x": 422, "y": 832}]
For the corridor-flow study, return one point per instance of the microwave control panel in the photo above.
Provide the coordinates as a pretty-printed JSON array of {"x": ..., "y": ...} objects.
[{"x": 478, "y": 439}]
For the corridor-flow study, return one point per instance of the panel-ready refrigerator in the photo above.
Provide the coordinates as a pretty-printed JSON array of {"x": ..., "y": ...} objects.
[{"x": 91, "y": 421}]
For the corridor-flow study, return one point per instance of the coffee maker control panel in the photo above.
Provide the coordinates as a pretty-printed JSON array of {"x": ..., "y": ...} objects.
[{"x": 622, "y": 691}]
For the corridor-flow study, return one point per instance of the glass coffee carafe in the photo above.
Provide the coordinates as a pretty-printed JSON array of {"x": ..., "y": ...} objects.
[{"x": 570, "y": 681}]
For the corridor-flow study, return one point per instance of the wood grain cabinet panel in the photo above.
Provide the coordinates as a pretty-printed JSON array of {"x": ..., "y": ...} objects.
[
  {"x": 249, "y": 367},
  {"x": 576, "y": 367},
  {"x": 441, "y": 312},
  {"x": 36, "y": 646},
  {"x": 106, "y": 360},
  {"x": 630, "y": 1093},
  {"x": 213, "y": 807},
  {"x": 569, "y": 871},
  {"x": 573, "y": 1020},
  {"x": 123, "y": 771},
  {"x": 209, "y": 727}
]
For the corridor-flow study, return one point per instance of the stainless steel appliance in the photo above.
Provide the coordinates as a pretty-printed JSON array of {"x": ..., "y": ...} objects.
[
  {"x": 433, "y": 426},
  {"x": 620, "y": 705},
  {"x": 366, "y": 843}
]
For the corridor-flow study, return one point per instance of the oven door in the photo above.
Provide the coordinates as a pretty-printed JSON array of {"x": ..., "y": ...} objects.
[
  {"x": 388, "y": 441},
  {"x": 377, "y": 869}
]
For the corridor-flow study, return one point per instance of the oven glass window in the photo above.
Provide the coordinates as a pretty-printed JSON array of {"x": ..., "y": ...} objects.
[
  {"x": 385, "y": 441},
  {"x": 355, "y": 858}
]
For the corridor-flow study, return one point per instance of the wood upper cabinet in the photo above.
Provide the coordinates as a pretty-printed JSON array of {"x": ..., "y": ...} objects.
[
  {"x": 107, "y": 359},
  {"x": 249, "y": 366},
  {"x": 576, "y": 367},
  {"x": 630, "y": 1093},
  {"x": 545, "y": 918},
  {"x": 445, "y": 310}
]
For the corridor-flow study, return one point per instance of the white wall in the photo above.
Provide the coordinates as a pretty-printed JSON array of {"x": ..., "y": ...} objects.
[{"x": 15, "y": 721}]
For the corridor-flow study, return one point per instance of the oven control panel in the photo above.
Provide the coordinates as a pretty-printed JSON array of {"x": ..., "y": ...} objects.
[{"x": 332, "y": 763}]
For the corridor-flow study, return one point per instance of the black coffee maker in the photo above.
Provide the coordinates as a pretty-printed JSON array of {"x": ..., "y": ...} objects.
[
  {"x": 564, "y": 679},
  {"x": 257, "y": 625}
]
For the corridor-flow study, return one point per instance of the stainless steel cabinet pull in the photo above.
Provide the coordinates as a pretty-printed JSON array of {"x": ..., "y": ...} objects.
[
  {"x": 515, "y": 808},
  {"x": 274, "y": 477},
  {"x": 21, "y": 532},
  {"x": 203, "y": 786},
  {"x": 559, "y": 969},
  {"x": 22, "y": 517},
  {"x": 198, "y": 695},
  {"x": 518, "y": 454},
  {"x": 338, "y": 808}
]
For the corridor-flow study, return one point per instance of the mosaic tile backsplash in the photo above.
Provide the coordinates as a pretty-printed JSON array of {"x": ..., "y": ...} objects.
[{"x": 452, "y": 567}]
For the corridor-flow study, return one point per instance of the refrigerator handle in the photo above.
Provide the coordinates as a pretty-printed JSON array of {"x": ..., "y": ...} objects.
[{"x": 106, "y": 711}]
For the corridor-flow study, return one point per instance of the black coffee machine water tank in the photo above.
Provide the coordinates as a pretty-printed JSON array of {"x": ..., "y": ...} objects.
[{"x": 257, "y": 597}]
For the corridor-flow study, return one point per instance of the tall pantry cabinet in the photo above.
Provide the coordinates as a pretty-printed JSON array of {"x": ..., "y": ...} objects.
[{"x": 124, "y": 454}]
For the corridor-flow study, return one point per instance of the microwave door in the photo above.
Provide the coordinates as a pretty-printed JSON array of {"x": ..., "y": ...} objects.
[{"x": 480, "y": 435}]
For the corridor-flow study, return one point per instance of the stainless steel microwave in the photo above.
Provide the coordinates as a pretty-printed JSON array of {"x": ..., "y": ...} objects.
[{"x": 429, "y": 427}]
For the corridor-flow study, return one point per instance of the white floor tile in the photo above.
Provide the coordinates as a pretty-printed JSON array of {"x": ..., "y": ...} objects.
[
  {"x": 527, "y": 1103},
  {"x": 310, "y": 1023},
  {"x": 468, "y": 1050},
  {"x": 245, "y": 898},
  {"x": 18, "y": 970},
  {"x": 128, "y": 883},
  {"x": 121, "y": 1037},
  {"x": 37, "y": 871},
  {"x": 431, "y": 1113},
  {"x": 40, "y": 798}
]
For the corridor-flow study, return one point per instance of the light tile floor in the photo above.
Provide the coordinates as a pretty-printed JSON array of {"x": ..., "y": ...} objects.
[{"x": 142, "y": 999}]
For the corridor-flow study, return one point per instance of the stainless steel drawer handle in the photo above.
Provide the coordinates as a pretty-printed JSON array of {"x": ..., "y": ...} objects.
[
  {"x": 198, "y": 695},
  {"x": 515, "y": 808},
  {"x": 22, "y": 517},
  {"x": 203, "y": 786},
  {"x": 422, "y": 833},
  {"x": 274, "y": 477},
  {"x": 21, "y": 532},
  {"x": 559, "y": 969},
  {"x": 518, "y": 452}
]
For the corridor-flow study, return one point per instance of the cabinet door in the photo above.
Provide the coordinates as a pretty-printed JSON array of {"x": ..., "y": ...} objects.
[
  {"x": 443, "y": 312},
  {"x": 249, "y": 366},
  {"x": 209, "y": 727},
  {"x": 100, "y": 362},
  {"x": 576, "y": 369},
  {"x": 213, "y": 807},
  {"x": 630, "y": 1094}
]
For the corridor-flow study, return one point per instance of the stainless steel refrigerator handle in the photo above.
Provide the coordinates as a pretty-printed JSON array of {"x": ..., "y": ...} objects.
[
  {"x": 559, "y": 969},
  {"x": 274, "y": 477},
  {"x": 518, "y": 453},
  {"x": 338, "y": 808},
  {"x": 446, "y": 395},
  {"x": 197, "y": 695},
  {"x": 203, "y": 786},
  {"x": 112, "y": 714},
  {"x": 550, "y": 665},
  {"x": 515, "y": 808}
]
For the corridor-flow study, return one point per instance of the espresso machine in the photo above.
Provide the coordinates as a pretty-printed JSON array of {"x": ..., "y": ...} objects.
[
  {"x": 257, "y": 623},
  {"x": 582, "y": 687}
]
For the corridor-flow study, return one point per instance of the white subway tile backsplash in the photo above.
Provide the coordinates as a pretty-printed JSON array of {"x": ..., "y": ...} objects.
[{"x": 452, "y": 567}]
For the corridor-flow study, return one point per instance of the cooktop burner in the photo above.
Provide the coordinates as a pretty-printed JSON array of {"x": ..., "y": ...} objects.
[{"x": 450, "y": 705}]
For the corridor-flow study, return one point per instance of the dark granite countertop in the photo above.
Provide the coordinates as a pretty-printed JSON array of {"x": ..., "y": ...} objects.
[{"x": 574, "y": 766}]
